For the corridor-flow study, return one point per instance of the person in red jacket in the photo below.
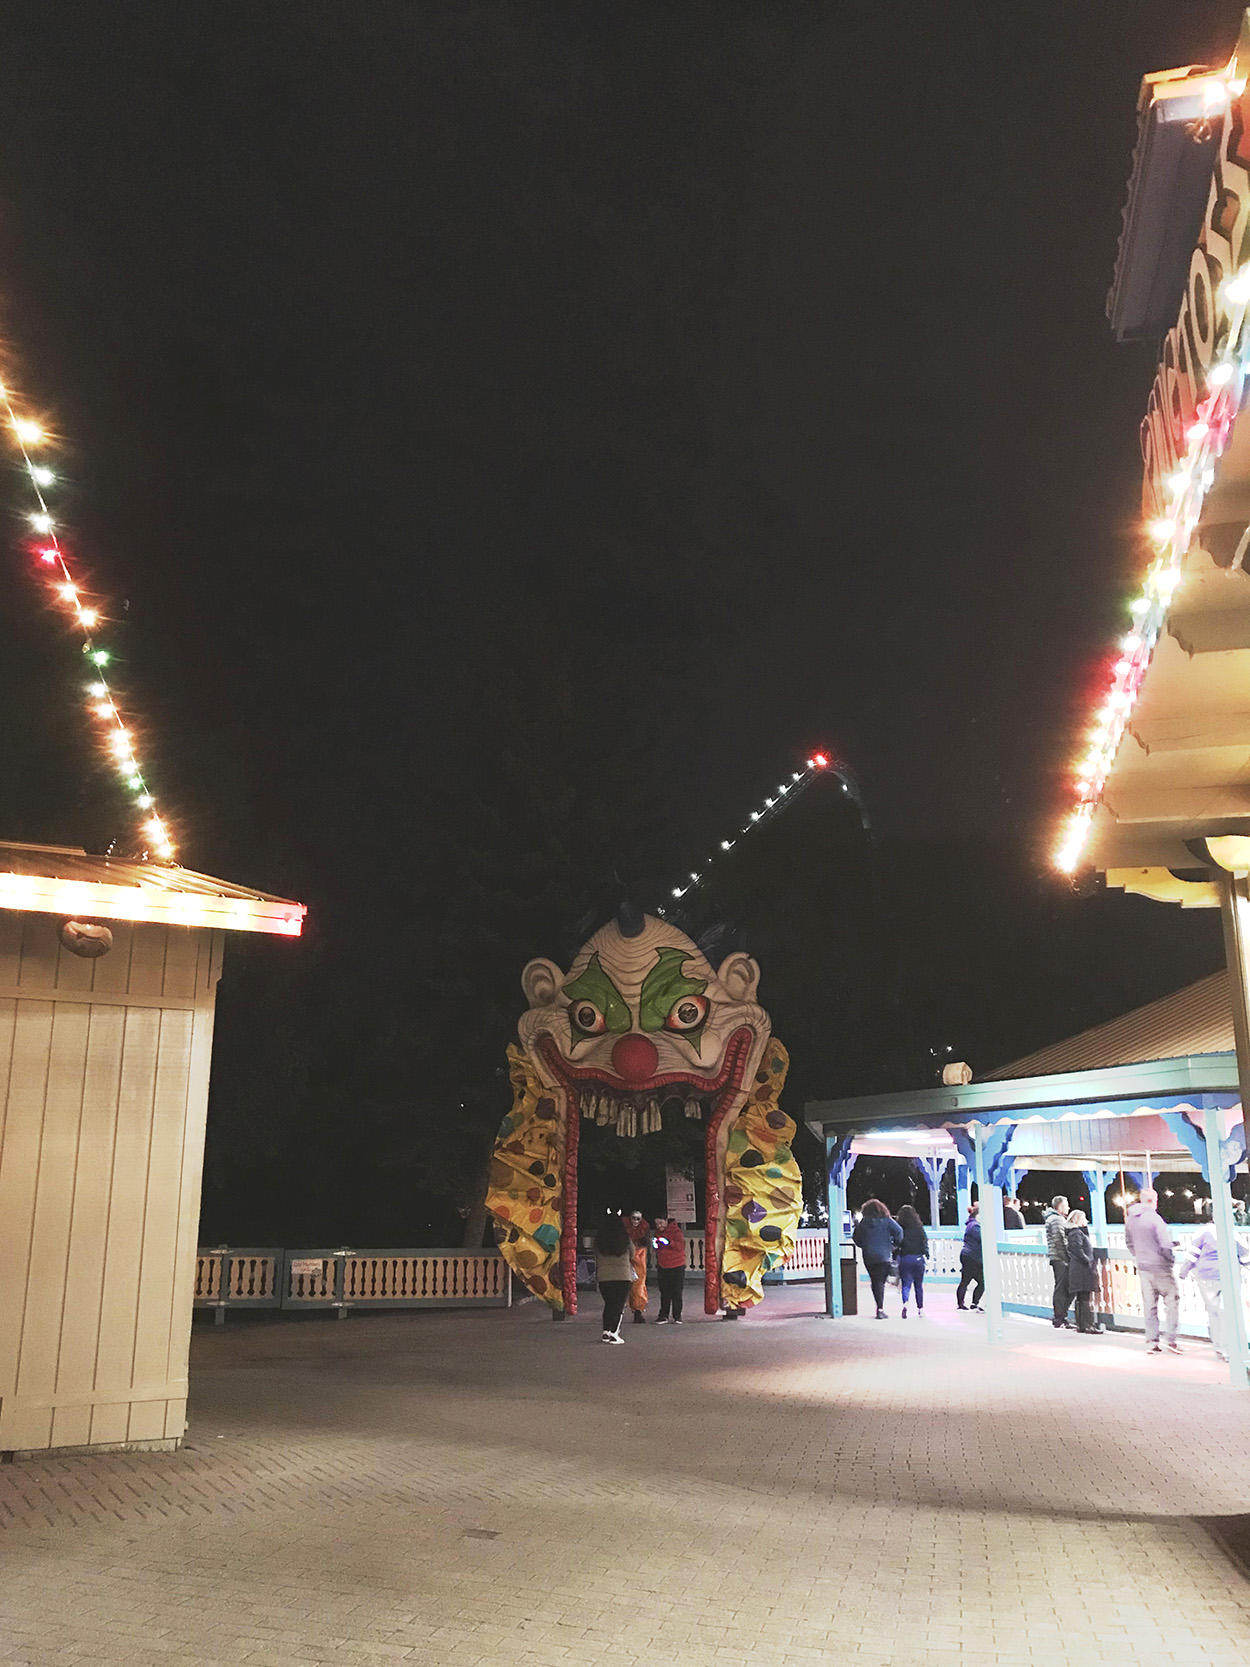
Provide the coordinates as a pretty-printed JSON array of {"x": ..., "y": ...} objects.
[
  {"x": 670, "y": 1256},
  {"x": 639, "y": 1230}
]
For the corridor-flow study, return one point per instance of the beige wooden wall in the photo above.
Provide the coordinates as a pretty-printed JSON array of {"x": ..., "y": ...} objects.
[{"x": 103, "y": 1091}]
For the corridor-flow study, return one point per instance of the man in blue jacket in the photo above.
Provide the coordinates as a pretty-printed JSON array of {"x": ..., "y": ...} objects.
[{"x": 971, "y": 1264}]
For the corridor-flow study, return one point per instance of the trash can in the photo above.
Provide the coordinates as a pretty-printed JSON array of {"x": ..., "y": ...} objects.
[{"x": 849, "y": 1274}]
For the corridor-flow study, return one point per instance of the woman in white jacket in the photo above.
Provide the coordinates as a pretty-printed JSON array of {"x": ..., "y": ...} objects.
[{"x": 1202, "y": 1260}]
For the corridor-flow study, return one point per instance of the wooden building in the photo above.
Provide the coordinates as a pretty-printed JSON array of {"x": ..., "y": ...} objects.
[{"x": 108, "y": 979}]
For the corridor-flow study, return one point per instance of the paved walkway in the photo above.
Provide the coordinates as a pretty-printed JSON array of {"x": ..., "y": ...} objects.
[{"x": 493, "y": 1490}]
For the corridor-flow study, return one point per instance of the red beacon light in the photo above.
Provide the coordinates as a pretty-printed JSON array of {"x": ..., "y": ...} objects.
[
  {"x": 818, "y": 761},
  {"x": 47, "y": 555}
]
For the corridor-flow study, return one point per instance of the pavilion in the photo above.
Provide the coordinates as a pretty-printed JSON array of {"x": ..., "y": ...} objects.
[{"x": 1114, "y": 1099}]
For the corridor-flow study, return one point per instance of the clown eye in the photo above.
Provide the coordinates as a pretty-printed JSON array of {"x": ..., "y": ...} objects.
[
  {"x": 587, "y": 1018},
  {"x": 688, "y": 1013}
]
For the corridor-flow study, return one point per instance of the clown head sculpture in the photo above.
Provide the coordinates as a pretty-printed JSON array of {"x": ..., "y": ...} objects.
[{"x": 641, "y": 1022}]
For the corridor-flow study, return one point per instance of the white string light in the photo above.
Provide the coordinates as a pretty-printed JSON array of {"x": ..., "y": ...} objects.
[
  {"x": 102, "y": 704},
  {"x": 1171, "y": 534},
  {"x": 816, "y": 765}
]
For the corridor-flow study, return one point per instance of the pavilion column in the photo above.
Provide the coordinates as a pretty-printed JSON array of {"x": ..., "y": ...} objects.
[
  {"x": 933, "y": 1169},
  {"x": 1235, "y": 914},
  {"x": 1096, "y": 1181},
  {"x": 990, "y": 1213},
  {"x": 1233, "y": 1313},
  {"x": 839, "y": 1162}
]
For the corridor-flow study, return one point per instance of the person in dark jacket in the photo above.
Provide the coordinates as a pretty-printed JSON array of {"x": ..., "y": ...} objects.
[
  {"x": 878, "y": 1236},
  {"x": 1082, "y": 1274},
  {"x": 1013, "y": 1220},
  {"x": 971, "y": 1267},
  {"x": 614, "y": 1255},
  {"x": 1057, "y": 1251},
  {"x": 911, "y": 1258}
]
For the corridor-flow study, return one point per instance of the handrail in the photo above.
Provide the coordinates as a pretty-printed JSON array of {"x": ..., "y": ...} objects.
[{"x": 343, "y": 1279}]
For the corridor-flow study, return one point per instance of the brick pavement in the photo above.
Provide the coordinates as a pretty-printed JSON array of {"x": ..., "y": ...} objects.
[{"x": 480, "y": 1490}]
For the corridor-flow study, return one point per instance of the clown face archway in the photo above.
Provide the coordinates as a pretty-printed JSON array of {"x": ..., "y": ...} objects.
[{"x": 641, "y": 1019}]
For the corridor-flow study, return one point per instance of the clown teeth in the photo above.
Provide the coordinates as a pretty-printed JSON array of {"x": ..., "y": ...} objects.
[{"x": 694, "y": 1108}]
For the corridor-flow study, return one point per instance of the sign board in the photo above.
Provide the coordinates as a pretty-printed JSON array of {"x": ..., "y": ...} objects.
[
  {"x": 306, "y": 1266},
  {"x": 681, "y": 1205}
]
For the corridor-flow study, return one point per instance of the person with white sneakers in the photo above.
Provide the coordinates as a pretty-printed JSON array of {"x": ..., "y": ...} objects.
[
  {"x": 615, "y": 1274},
  {"x": 1202, "y": 1260},
  {"x": 1150, "y": 1245}
]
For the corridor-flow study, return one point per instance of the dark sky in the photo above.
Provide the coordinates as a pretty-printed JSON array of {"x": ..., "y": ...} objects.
[{"x": 768, "y": 338}]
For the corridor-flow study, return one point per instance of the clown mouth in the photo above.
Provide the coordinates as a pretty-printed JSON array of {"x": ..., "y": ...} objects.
[{"x": 633, "y": 1108}]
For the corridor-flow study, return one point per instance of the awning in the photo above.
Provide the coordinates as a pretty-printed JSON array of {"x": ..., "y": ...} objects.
[{"x": 63, "y": 880}]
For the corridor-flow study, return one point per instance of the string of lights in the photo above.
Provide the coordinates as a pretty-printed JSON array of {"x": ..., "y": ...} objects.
[
  {"x": 787, "y": 792},
  {"x": 1170, "y": 534},
  {"x": 114, "y": 731}
]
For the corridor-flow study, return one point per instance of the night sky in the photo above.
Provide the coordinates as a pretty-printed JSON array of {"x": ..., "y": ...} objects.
[{"x": 758, "y": 350}]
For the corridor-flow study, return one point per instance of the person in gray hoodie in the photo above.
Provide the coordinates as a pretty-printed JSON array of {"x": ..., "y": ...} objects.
[
  {"x": 1057, "y": 1250},
  {"x": 1150, "y": 1246}
]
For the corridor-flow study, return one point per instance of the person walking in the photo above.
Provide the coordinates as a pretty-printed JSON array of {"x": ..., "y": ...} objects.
[
  {"x": 971, "y": 1265},
  {"x": 878, "y": 1236},
  {"x": 912, "y": 1253},
  {"x": 1082, "y": 1273},
  {"x": 1056, "y": 1223},
  {"x": 1201, "y": 1258},
  {"x": 614, "y": 1272},
  {"x": 1150, "y": 1246},
  {"x": 670, "y": 1256},
  {"x": 639, "y": 1231}
]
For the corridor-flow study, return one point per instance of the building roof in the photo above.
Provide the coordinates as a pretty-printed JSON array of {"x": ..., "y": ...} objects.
[
  {"x": 1167, "y": 192},
  {"x": 1195, "y": 1020},
  {"x": 64, "y": 880},
  {"x": 1165, "y": 763}
]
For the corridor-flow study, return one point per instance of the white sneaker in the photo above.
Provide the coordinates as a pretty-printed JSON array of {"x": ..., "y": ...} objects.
[
  {"x": 661, "y": 1322},
  {"x": 614, "y": 1337},
  {"x": 606, "y": 1338},
  {"x": 676, "y": 1322}
]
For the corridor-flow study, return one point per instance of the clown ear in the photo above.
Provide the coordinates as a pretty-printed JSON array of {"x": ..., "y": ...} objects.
[
  {"x": 741, "y": 977},
  {"x": 540, "y": 981}
]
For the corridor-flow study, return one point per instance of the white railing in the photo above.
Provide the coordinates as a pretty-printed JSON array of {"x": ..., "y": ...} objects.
[
  {"x": 344, "y": 1279},
  {"x": 1028, "y": 1284},
  {"x": 238, "y": 1278},
  {"x": 806, "y": 1260},
  {"x": 409, "y": 1277}
]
